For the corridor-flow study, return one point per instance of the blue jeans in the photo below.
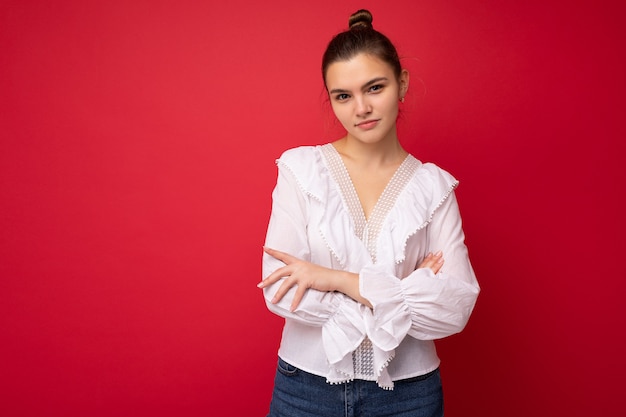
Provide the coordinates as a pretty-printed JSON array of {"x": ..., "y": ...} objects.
[{"x": 301, "y": 394}]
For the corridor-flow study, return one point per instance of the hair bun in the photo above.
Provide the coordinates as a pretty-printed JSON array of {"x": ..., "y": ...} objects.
[{"x": 360, "y": 19}]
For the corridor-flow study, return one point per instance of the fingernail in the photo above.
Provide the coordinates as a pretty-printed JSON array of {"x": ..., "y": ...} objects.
[
  {"x": 260, "y": 284},
  {"x": 439, "y": 253}
]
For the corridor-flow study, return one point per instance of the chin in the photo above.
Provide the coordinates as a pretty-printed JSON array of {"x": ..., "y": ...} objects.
[{"x": 368, "y": 137}]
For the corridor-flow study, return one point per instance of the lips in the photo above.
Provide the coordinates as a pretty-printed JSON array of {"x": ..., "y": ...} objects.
[{"x": 368, "y": 124}]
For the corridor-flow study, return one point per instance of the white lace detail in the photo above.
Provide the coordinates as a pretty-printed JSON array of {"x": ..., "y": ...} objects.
[
  {"x": 367, "y": 230},
  {"x": 363, "y": 361}
]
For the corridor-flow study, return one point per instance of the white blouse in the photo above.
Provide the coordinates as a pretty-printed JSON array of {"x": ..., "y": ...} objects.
[{"x": 316, "y": 216}]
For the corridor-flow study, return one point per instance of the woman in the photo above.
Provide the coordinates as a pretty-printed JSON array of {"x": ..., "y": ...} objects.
[{"x": 355, "y": 250}]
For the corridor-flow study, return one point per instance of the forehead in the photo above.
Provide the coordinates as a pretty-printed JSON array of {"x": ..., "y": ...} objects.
[{"x": 355, "y": 72}]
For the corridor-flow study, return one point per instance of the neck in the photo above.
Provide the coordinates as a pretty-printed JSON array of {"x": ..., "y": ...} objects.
[{"x": 380, "y": 153}]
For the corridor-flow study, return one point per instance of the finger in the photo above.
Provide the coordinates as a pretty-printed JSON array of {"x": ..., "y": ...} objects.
[
  {"x": 431, "y": 260},
  {"x": 275, "y": 276},
  {"x": 282, "y": 290},
  {"x": 437, "y": 266},
  {"x": 427, "y": 257},
  {"x": 297, "y": 298},
  {"x": 281, "y": 256},
  {"x": 428, "y": 261},
  {"x": 424, "y": 264}
]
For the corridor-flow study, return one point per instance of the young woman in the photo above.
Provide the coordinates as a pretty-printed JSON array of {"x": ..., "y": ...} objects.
[{"x": 355, "y": 250}]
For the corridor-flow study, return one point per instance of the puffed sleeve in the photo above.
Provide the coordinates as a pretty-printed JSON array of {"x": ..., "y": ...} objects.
[
  {"x": 342, "y": 325},
  {"x": 424, "y": 305}
]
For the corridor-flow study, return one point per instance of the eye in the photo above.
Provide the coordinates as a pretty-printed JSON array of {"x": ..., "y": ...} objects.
[
  {"x": 342, "y": 97},
  {"x": 376, "y": 88}
]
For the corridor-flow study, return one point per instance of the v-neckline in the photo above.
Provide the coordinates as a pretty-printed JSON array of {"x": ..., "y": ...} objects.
[{"x": 367, "y": 229}]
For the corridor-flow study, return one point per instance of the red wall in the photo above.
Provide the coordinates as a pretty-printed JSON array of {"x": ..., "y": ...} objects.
[{"x": 136, "y": 166}]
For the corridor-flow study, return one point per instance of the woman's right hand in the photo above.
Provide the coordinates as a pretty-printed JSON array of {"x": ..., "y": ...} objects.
[
  {"x": 433, "y": 261},
  {"x": 304, "y": 275}
]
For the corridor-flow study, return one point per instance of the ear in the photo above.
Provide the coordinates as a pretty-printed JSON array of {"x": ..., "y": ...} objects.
[{"x": 403, "y": 81}]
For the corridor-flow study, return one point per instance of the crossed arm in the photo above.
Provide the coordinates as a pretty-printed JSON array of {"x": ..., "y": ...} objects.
[{"x": 304, "y": 275}]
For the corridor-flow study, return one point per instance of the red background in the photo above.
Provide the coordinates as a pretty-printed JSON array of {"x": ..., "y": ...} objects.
[{"x": 136, "y": 166}]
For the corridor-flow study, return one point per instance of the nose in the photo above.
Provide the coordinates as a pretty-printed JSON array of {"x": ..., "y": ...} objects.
[{"x": 363, "y": 108}]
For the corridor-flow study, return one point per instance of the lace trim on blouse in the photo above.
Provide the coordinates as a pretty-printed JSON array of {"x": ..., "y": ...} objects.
[{"x": 367, "y": 230}]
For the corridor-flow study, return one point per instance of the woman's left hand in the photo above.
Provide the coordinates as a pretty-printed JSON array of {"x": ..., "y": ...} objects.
[{"x": 298, "y": 273}]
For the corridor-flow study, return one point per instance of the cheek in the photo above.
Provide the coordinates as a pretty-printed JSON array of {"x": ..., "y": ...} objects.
[
  {"x": 341, "y": 113},
  {"x": 392, "y": 107}
]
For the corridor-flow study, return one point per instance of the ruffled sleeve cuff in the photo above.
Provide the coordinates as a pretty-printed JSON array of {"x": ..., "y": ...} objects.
[
  {"x": 423, "y": 305},
  {"x": 342, "y": 334},
  {"x": 440, "y": 304},
  {"x": 390, "y": 320}
]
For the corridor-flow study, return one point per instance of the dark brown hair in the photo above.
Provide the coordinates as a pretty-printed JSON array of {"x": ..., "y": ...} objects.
[{"x": 361, "y": 37}]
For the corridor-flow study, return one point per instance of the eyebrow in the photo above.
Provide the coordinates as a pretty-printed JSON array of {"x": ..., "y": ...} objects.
[{"x": 367, "y": 84}]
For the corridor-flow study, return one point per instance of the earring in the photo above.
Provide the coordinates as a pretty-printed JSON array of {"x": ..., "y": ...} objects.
[{"x": 402, "y": 99}]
